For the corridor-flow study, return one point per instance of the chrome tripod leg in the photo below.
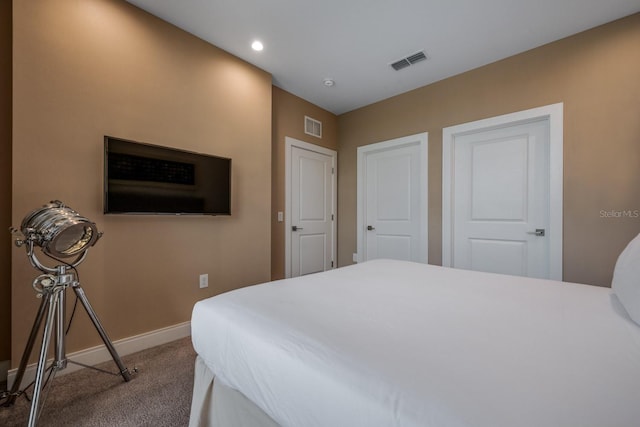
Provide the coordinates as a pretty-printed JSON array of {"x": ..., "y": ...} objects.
[
  {"x": 44, "y": 303},
  {"x": 60, "y": 360},
  {"x": 105, "y": 338},
  {"x": 42, "y": 361}
]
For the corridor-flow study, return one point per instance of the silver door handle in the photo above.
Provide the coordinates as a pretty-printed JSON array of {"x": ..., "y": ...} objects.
[
  {"x": 370, "y": 227},
  {"x": 296, "y": 228},
  {"x": 538, "y": 232}
]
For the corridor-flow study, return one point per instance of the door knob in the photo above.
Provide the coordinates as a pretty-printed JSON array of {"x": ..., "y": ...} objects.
[
  {"x": 296, "y": 228},
  {"x": 538, "y": 232},
  {"x": 370, "y": 227}
]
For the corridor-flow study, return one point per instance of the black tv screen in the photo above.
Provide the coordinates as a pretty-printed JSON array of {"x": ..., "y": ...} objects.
[{"x": 149, "y": 179}]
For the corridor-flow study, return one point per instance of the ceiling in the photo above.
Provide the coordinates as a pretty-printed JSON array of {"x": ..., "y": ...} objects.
[{"x": 353, "y": 42}]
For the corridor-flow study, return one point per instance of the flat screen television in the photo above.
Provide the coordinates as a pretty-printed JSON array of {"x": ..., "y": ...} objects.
[{"x": 149, "y": 179}]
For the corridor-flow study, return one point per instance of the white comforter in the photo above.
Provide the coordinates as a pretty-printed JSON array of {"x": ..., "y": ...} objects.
[{"x": 391, "y": 343}]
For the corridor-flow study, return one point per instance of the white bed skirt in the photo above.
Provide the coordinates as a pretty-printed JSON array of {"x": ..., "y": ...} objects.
[{"x": 216, "y": 405}]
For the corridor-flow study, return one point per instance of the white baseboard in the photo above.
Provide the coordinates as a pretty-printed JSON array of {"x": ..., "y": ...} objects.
[
  {"x": 4, "y": 368},
  {"x": 94, "y": 355}
]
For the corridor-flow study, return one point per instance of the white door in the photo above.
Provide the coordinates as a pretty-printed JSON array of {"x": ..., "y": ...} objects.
[
  {"x": 500, "y": 199},
  {"x": 392, "y": 191},
  {"x": 311, "y": 216}
]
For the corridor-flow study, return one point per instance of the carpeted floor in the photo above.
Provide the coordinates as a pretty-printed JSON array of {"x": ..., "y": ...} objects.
[{"x": 158, "y": 395}]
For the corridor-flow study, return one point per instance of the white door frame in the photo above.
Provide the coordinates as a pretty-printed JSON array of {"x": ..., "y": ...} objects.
[
  {"x": 554, "y": 113},
  {"x": 363, "y": 151},
  {"x": 289, "y": 143}
]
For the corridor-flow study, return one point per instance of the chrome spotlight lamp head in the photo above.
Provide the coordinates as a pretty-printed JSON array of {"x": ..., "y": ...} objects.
[{"x": 59, "y": 231}]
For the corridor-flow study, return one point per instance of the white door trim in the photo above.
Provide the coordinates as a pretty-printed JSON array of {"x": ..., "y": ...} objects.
[
  {"x": 423, "y": 139},
  {"x": 554, "y": 113},
  {"x": 289, "y": 143}
]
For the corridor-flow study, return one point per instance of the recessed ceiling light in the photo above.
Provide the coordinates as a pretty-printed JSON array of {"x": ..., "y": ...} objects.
[
  {"x": 329, "y": 82},
  {"x": 257, "y": 46}
]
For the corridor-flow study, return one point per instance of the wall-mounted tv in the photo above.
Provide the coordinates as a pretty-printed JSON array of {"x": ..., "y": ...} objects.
[{"x": 149, "y": 179}]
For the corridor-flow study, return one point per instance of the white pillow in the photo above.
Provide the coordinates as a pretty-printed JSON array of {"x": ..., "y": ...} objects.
[{"x": 626, "y": 279}]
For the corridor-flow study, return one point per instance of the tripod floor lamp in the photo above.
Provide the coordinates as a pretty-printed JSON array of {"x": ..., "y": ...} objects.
[{"x": 61, "y": 233}]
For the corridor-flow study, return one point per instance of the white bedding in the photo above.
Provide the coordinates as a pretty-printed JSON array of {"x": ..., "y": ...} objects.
[{"x": 391, "y": 343}]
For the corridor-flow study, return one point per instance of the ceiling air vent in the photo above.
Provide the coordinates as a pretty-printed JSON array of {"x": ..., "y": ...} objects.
[
  {"x": 312, "y": 127},
  {"x": 409, "y": 60}
]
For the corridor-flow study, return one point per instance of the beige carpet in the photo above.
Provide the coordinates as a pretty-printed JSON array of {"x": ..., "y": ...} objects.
[{"x": 158, "y": 395}]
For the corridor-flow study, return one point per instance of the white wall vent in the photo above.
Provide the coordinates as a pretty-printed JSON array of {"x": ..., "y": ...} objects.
[
  {"x": 312, "y": 127},
  {"x": 409, "y": 60}
]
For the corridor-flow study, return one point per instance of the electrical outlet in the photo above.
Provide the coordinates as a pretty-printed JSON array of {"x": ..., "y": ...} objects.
[
  {"x": 355, "y": 257},
  {"x": 204, "y": 280}
]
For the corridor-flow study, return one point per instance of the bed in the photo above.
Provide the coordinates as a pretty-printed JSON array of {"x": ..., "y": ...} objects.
[{"x": 394, "y": 343}]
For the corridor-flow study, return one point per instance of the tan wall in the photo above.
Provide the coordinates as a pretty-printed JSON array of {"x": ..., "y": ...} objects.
[
  {"x": 597, "y": 76},
  {"x": 84, "y": 69},
  {"x": 5, "y": 180},
  {"x": 288, "y": 120}
]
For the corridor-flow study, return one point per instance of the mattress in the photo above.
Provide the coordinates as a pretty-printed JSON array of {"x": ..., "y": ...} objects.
[{"x": 393, "y": 343}]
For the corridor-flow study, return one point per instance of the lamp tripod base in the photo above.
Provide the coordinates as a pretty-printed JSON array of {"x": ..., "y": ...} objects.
[{"x": 52, "y": 288}]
